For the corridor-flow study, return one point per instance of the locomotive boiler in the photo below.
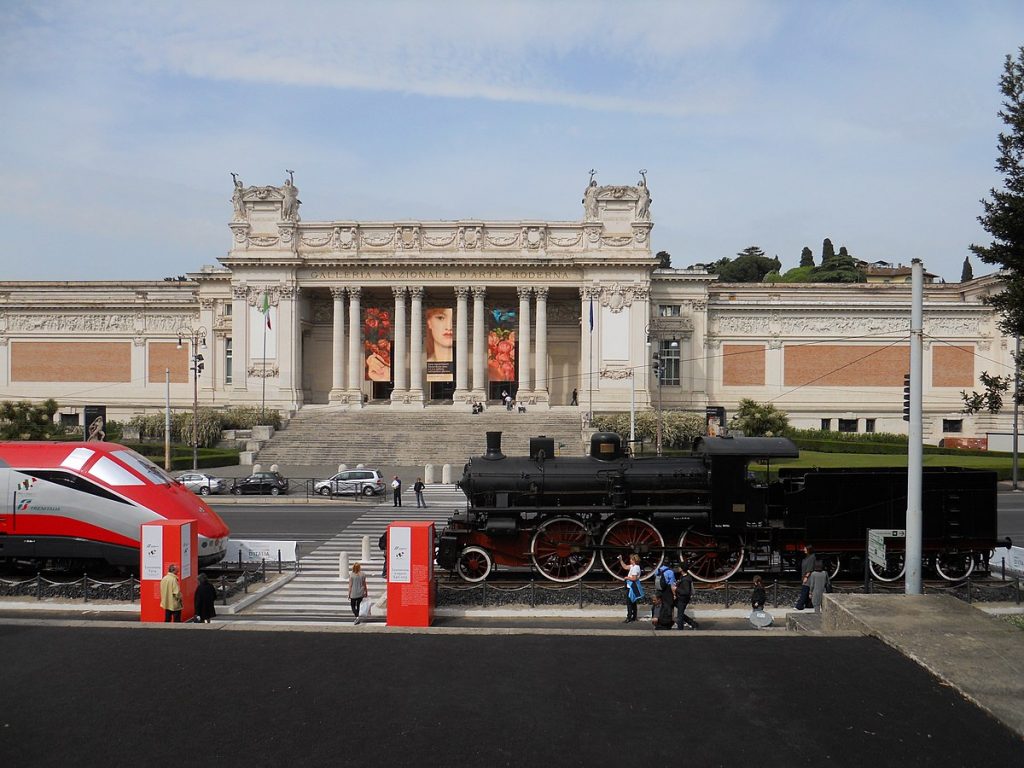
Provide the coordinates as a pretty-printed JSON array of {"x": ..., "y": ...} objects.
[{"x": 566, "y": 516}]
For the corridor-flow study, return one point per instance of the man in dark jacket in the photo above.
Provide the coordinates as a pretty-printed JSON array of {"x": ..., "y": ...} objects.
[
  {"x": 665, "y": 586},
  {"x": 806, "y": 568},
  {"x": 206, "y": 597},
  {"x": 684, "y": 592}
]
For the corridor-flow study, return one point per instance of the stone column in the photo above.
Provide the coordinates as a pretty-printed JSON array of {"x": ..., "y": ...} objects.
[
  {"x": 461, "y": 343},
  {"x": 355, "y": 348},
  {"x": 399, "y": 371},
  {"x": 239, "y": 337},
  {"x": 208, "y": 380},
  {"x": 479, "y": 344},
  {"x": 338, "y": 346},
  {"x": 523, "y": 388},
  {"x": 416, "y": 346},
  {"x": 289, "y": 347},
  {"x": 541, "y": 390},
  {"x": 586, "y": 349}
]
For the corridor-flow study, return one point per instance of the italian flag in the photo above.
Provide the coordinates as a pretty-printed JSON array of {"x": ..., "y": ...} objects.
[{"x": 265, "y": 307}]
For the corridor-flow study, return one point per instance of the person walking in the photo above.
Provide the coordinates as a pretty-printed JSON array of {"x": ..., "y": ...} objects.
[
  {"x": 757, "y": 596},
  {"x": 684, "y": 593},
  {"x": 382, "y": 545},
  {"x": 170, "y": 595},
  {"x": 633, "y": 589},
  {"x": 806, "y": 568},
  {"x": 417, "y": 488},
  {"x": 206, "y": 598},
  {"x": 575, "y": 397},
  {"x": 357, "y": 589},
  {"x": 396, "y": 492},
  {"x": 816, "y": 583},
  {"x": 665, "y": 585}
]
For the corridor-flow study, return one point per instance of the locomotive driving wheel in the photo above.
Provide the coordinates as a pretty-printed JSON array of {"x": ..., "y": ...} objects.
[
  {"x": 625, "y": 537},
  {"x": 561, "y": 549},
  {"x": 711, "y": 558},
  {"x": 474, "y": 564},
  {"x": 895, "y": 565},
  {"x": 954, "y": 566}
]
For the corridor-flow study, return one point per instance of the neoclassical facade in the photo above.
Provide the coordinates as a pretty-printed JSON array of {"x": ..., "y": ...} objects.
[{"x": 413, "y": 314}]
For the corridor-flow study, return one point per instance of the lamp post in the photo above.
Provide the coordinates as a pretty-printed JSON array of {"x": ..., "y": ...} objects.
[{"x": 196, "y": 338}]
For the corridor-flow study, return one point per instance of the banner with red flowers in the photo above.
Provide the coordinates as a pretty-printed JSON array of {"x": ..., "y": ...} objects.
[
  {"x": 377, "y": 332},
  {"x": 501, "y": 345}
]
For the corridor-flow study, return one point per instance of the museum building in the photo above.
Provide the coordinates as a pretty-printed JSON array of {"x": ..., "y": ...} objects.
[{"x": 414, "y": 314}]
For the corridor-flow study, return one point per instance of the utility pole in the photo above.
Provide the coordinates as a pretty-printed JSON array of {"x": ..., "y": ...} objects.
[
  {"x": 167, "y": 420},
  {"x": 196, "y": 338},
  {"x": 915, "y": 434}
]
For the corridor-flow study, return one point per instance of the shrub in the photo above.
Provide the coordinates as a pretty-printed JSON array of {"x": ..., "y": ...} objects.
[{"x": 247, "y": 417}]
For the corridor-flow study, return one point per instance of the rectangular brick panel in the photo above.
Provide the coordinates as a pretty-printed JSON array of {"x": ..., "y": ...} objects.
[
  {"x": 106, "y": 361},
  {"x": 952, "y": 366},
  {"x": 743, "y": 365},
  {"x": 846, "y": 365},
  {"x": 165, "y": 354}
]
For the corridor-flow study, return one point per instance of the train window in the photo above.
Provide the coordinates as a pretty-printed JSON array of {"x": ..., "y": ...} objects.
[
  {"x": 112, "y": 473},
  {"x": 847, "y": 425},
  {"x": 145, "y": 467},
  {"x": 74, "y": 482},
  {"x": 77, "y": 458},
  {"x": 952, "y": 425}
]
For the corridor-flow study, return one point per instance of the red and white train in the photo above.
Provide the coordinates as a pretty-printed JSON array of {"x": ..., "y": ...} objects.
[{"x": 66, "y": 503}]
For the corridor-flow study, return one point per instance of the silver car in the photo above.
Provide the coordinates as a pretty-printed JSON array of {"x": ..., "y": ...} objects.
[
  {"x": 203, "y": 484},
  {"x": 368, "y": 482}
]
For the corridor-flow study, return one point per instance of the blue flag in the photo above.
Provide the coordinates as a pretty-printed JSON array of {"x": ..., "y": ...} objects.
[{"x": 591, "y": 315}]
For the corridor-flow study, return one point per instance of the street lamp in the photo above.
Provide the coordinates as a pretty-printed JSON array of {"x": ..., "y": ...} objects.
[
  {"x": 656, "y": 370},
  {"x": 196, "y": 338}
]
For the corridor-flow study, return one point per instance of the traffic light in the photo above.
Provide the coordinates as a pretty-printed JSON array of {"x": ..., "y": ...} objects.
[
  {"x": 656, "y": 364},
  {"x": 906, "y": 397}
]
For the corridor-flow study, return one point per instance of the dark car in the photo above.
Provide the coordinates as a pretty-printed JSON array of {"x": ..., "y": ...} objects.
[{"x": 261, "y": 482}]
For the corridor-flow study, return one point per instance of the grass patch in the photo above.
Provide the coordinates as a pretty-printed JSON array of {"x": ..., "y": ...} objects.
[
  {"x": 814, "y": 459},
  {"x": 1017, "y": 620}
]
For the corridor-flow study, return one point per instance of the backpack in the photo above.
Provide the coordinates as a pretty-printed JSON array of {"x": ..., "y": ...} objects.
[
  {"x": 659, "y": 580},
  {"x": 382, "y": 542}
]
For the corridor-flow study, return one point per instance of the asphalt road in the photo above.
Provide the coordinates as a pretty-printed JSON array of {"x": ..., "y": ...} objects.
[
  {"x": 103, "y": 696},
  {"x": 1011, "y": 516}
]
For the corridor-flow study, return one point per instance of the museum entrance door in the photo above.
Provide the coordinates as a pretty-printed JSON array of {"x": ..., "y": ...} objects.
[{"x": 442, "y": 390}]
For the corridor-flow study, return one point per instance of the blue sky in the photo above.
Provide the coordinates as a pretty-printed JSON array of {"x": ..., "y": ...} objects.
[{"x": 774, "y": 124}]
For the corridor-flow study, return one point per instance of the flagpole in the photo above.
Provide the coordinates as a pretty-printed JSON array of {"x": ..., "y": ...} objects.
[
  {"x": 263, "y": 398},
  {"x": 590, "y": 373}
]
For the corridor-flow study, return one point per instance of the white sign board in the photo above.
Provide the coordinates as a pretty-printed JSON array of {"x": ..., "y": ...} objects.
[
  {"x": 876, "y": 543},
  {"x": 152, "y": 552},
  {"x": 1012, "y": 558},
  {"x": 400, "y": 554},
  {"x": 186, "y": 550},
  {"x": 258, "y": 550}
]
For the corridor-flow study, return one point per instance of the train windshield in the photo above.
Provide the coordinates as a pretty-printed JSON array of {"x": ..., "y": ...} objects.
[
  {"x": 144, "y": 467},
  {"x": 112, "y": 473}
]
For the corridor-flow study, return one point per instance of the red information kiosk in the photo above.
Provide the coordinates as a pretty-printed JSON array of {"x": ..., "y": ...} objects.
[
  {"x": 164, "y": 542},
  {"x": 410, "y": 574}
]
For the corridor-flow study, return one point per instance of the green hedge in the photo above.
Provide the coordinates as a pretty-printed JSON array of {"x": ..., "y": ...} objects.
[
  {"x": 859, "y": 446},
  {"x": 181, "y": 455}
]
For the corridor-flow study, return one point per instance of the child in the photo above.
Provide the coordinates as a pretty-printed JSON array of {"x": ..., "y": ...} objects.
[{"x": 757, "y": 596}]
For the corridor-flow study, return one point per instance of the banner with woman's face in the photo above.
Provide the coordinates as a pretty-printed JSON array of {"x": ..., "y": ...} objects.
[
  {"x": 501, "y": 345},
  {"x": 438, "y": 341},
  {"x": 377, "y": 333}
]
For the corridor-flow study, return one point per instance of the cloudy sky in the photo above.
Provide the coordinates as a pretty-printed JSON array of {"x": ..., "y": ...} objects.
[{"x": 774, "y": 124}]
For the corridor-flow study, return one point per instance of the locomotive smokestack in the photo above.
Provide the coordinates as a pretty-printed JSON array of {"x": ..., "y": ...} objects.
[{"x": 494, "y": 446}]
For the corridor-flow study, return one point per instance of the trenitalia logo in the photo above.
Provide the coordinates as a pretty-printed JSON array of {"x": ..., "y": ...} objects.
[{"x": 26, "y": 504}]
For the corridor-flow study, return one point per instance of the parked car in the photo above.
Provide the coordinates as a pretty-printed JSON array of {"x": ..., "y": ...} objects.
[
  {"x": 368, "y": 482},
  {"x": 261, "y": 482},
  {"x": 202, "y": 483}
]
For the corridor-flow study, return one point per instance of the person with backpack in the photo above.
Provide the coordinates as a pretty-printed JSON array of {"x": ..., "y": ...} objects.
[
  {"x": 665, "y": 586},
  {"x": 684, "y": 593}
]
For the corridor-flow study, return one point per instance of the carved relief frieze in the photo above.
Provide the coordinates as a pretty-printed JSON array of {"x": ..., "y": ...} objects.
[
  {"x": 616, "y": 296},
  {"x": 264, "y": 241},
  {"x": 378, "y": 241},
  {"x": 263, "y": 371},
  {"x": 286, "y": 232},
  {"x": 741, "y": 325},
  {"x": 344, "y": 238},
  {"x": 407, "y": 238},
  {"x": 953, "y": 326},
  {"x": 533, "y": 237},
  {"x": 470, "y": 238},
  {"x": 503, "y": 241},
  {"x": 837, "y": 325},
  {"x": 566, "y": 242},
  {"x": 240, "y": 233},
  {"x": 240, "y": 291},
  {"x": 616, "y": 241},
  {"x": 55, "y": 323},
  {"x": 593, "y": 232},
  {"x": 616, "y": 373},
  {"x": 317, "y": 241},
  {"x": 139, "y": 341},
  {"x": 441, "y": 241},
  {"x": 613, "y": 192}
]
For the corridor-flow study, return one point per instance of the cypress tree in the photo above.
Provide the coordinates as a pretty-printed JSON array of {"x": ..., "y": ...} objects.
[
  {"x": 967, "y": 274},
  {"x": 806, "y": 257}
]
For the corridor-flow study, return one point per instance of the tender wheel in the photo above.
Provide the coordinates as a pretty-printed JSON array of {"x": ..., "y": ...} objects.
[
  {"x": 711, "y": 559},
  {"x": 831, "y": 564},
  {"x": 954, "y": 566},
  {"x": 367, "y": 491},
  {"x": 561, "y": 549},
  {"x": 624, "y": 537},
  {"x": 895, "y": 565},
  {"x": 325, "y": 491},
  {"x": 275, "y": 491},
  {"x": 204, "y": 491},
  {"x": 474, "y": 564}
]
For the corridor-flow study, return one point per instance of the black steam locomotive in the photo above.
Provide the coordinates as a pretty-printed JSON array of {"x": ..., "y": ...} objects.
[{"x": 561, "y": 515}]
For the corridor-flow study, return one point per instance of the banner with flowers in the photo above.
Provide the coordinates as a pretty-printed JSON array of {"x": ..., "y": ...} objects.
[{"x": 501, "y": 345}]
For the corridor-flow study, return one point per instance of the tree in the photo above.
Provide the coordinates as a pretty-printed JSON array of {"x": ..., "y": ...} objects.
[
  {"x": 840, "y": 268},
  {"x": 806, "y": 257},
  {"x": 991, "y": 399},
  {"x": 1003, "y": 216},
  {"x": 967, "y": 273},
  {"x": 828, "y": 252},
  {"x": 664, "y": 259},
  {"x": 24, "y": 421},
  {"x": 757, "y": 419},
  {"x": 749, "y": 266}
]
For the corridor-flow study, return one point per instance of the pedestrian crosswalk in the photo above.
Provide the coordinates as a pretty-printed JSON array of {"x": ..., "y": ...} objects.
[{"x": 317, "y": 593}]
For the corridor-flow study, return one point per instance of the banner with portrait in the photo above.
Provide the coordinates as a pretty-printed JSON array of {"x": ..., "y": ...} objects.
[
  {"x": 438, "y": 343},
  {"x": 377, "y": 332},
  {"x": 501, "y": 344}
]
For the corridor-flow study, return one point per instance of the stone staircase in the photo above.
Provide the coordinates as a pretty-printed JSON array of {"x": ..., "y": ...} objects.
[{"x": 377, "y": 436}]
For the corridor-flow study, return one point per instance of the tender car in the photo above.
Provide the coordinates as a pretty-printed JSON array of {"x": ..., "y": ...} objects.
[
  {"x": 202, "y": 483},
  {"x": 368, "y": 482},
  {"x": 261, "y": 482}
]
